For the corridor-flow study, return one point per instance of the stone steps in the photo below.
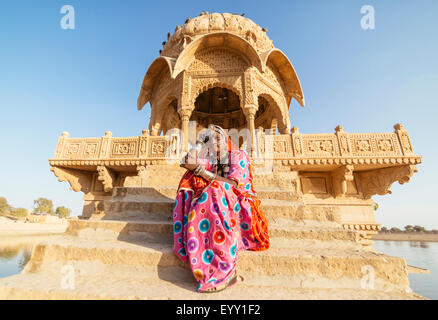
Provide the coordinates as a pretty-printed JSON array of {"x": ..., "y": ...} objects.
[
  {"x": 329, "y": 262},
  {"x": 127, "y": 253},
  {"x": 48, "y": 286},
  {"x": 183, "y": 275},
  {"x": 138, "y": 193},
  {"x": 153, "y": 208},
  {"x": 162, "y": 230}
]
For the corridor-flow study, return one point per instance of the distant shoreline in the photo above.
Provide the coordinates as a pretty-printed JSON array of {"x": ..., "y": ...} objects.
[
  {"x": 406, "y": 236},
  {"x": 18, "y": 228}
]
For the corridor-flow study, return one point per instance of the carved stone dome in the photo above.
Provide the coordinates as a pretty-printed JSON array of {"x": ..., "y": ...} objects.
[
  {"x": 216, "y": 22},
  {"x": 220, "y": 68}
]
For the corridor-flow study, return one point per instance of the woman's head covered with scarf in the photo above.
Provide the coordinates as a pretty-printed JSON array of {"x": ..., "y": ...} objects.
[{"x": 218, "y": 145}]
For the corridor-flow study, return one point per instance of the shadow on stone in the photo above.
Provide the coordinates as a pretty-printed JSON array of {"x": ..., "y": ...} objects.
[{"x": 169, "y": 267}]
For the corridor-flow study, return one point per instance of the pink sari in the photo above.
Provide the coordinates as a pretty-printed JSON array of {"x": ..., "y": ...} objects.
[{"x": 213, "y": 221}]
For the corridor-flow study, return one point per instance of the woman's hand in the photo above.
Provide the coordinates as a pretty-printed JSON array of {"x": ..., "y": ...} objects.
[
  {"x": 190, "y": 161},
  {"x": 189, "y": 166}
]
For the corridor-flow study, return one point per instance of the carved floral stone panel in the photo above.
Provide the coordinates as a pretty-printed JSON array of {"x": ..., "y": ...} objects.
[
  {"x": 158, "y": 147},
  {"x": 80, "y": 148},
  {"x": 383, "y": 144},
  {"x": 121, "y": 147},
  {"x": 320, "y": 145}
]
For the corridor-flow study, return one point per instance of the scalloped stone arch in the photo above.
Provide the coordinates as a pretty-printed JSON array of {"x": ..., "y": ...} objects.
[
  {"x": 149, "y": 81},
  {"x": 287, "y": 72},
  {"x": 158, "y": 111},
  {"x": 216, "y": 39},
  {"x": 283, "y": 118},
  {"x": 161, "y": 108},
  {"x": 210, "y": 83}
]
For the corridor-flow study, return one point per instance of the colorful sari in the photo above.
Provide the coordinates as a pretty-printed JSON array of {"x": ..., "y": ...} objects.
[{"x": 214, "y": 220}]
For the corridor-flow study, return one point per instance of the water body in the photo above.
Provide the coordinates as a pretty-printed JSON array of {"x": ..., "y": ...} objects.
[
  {"x": 418, "y": 254},
  {"x": 13, "y": 259}
]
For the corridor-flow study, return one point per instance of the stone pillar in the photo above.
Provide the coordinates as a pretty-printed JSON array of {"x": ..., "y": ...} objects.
[
  {"x": 155, "y": 129},
  {"x": 60, "y": 145},
  {"x": 261, "y": 142},
  {"x": 250, "y": 111},
  {"x": 106, "y": 145},
  {"x": 185, "y": 114},
  {"x": 297, "y": 142},
  {"x": 343, "y": 142},
  {"x": 274, "y": 125},
  {"x": 403, "y": 137},
  {"x": 143, "y": 143}
]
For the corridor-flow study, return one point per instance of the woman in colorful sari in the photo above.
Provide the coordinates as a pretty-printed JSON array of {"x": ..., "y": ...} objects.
[{"x": 217, "y": 213}]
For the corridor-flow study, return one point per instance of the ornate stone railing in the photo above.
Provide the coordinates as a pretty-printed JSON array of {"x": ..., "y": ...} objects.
[{"x": 296, "y": 149}]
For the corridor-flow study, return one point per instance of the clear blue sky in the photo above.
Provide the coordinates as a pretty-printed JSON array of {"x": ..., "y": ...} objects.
[{"x": 86, "y": 81}]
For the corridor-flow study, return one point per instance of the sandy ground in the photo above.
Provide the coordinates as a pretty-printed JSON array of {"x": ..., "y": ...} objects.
[
  {"x": 15, "y": 232},
  {"x": 427, "y": 237}
]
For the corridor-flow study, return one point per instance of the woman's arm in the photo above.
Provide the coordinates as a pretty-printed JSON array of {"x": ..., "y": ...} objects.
[{"x": 190, "y": 161}]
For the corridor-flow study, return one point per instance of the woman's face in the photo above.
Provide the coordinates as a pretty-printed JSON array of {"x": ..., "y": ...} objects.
[{"x": 221, "y": 145}]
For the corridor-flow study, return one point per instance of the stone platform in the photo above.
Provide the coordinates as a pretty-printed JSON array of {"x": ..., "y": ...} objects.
[{"x": 126, "y": 253}]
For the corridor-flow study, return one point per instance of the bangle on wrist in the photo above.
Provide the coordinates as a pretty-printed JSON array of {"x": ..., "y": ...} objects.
[
  {"x": 209, "y": 175},
  {"x": 196, "y": 169},
  {"x": 204, "y": 173}
]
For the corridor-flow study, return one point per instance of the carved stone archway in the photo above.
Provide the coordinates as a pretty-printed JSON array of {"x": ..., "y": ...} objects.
[
  {"x": 165, "y": 117},
  {"x": 270, "y": 115},
  {"x": 221, "y": 106},
  {"x": 170, "y": 118}
]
